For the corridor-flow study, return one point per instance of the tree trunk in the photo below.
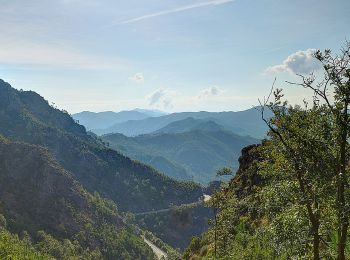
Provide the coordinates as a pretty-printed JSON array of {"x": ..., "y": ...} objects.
[
  {"x": 313, "y": 218},
  {"x": 343, "y": 218},
  {"x": 215, "y": 233},
  {"x": 316, "y": 245}
]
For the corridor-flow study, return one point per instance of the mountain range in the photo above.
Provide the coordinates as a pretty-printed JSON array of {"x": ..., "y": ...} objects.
[
  {"x": 247, "y": 122},
  {"x": 189, "y": 149},
  {"x": 92, "y": 120},
  {"x": 56, "y": 177},
  {"x": 30, "y": 119}
]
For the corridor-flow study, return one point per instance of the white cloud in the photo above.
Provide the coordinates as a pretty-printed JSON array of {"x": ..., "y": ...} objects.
[
  {"x": 162, "y": 98},
  {"x": 156, "y": 96},
  {"x": 137, "y": 78},
  {"x": 300, "y": 62},
  {"x": 176, "y": 10},
  {"x": 166, "y": 99},
  {"x": 209, "y": 92}
]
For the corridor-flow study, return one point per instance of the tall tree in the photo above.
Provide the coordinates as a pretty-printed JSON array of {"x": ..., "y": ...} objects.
[
  {"x": 316, "y": 141},
  {"x": 301, "y": 157}
]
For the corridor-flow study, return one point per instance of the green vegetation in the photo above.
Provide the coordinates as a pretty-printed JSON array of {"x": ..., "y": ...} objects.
[
  {"x": 12, "y": 247},
  {"x": 196, "y": 154},
  {"x": 171, "y": 253},
  {"x": 42, "y": 202},
  {"x": 131, "y": 185},
  {"x": 56, "y": 177},
  {"x": 177, "y": 226},
  {"x": 290, "y": 197}
]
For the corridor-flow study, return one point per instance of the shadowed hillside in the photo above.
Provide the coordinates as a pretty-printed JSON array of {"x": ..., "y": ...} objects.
[
  {"x": 132, "y": 185},
  {"x": 38, "y": 194}
]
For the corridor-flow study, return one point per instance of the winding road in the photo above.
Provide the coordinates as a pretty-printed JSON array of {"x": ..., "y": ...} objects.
[
  {"x": 156, "y": 250},
  {"x": 206, "y": 198}
]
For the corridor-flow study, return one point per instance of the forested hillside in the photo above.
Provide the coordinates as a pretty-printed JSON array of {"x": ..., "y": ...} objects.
[
  {"x": 55, "y": 215},
  {"x": 132, "y": 185},
  {"x": 54, "y": 176},
  {"x": 196, "y": 154}
]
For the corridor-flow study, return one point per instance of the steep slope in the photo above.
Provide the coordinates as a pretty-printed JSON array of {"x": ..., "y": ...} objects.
[
  {"x": 201, "y": 153},
  {"x": 36, "y": 194},
  {"x": 12, "y": 247},
  {"x": 100, "y": 120},
  {"x": 247, "y": 122},
  {"x": 27, "y": 117},
  {"x": 132, "y": 149},
  {"x": 236, "y": 217},
  {"x": 177, "y": 226}
]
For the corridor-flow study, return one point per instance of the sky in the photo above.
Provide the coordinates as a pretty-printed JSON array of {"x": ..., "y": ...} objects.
[{"x": 171, "y": 55}]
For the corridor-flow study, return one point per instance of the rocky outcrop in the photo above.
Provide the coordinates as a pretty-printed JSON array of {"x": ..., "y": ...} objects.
[{"x": 247, "y": 176}]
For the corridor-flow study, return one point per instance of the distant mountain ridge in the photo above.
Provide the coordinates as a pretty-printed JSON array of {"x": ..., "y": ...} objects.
[
  {"x": 92, "y": 120},
  {"x": 190, "y": 124},
  {"x": 101, "y": 120},
  {"x": 151, "y": 112},
  {"x": 247, "y": 122}
]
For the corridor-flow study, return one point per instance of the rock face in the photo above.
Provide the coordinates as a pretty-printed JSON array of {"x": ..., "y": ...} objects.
[{"x": 247, "y": 175}]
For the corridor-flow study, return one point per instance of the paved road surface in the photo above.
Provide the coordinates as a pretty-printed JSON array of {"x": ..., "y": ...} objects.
[
  {"x": 193, "y": 204},
  {"x": 206, "y": 197},
  {"x": 158, "y": 252}
]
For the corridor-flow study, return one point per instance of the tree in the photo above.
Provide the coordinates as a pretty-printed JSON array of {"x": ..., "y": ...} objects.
[
  {"x": 224, "y": 171},
  {"x": 315, "y": 142},
  {"x": 301, "y": 157}
]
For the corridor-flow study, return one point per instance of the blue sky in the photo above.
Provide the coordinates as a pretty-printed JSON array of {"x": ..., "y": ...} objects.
[{"x": 173, "y": 55}]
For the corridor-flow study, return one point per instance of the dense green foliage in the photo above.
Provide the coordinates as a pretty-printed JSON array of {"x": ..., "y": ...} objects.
[
  {"x": 177, "y": 226},
  {"x": 12, "y": 247},
  {"x": 38, "y": 194},
  {"x": 196, "y": 154}
]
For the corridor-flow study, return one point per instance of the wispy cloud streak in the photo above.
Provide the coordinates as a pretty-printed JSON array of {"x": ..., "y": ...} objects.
[{"x": 176, "y": 10}]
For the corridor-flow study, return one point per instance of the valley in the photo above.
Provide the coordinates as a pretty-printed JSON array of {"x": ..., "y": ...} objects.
[
  {"x": 173, "y": 208},
  {"x": 174, "y": 130},
  {"x": 185, "y": 148}
]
